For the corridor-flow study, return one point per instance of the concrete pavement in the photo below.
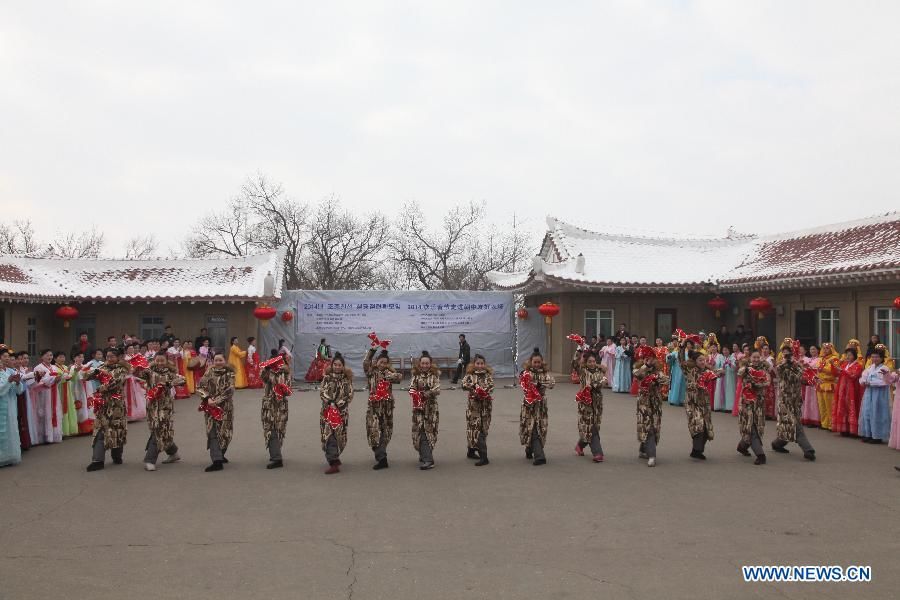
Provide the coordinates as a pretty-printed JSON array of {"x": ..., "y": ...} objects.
[{"x": 570, "y": 529}]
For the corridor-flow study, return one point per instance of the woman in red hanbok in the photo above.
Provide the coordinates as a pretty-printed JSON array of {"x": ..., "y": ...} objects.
[
  {"x": 253, "y": 378},
  {"x": 316, "y": 371},
  {"x": 176, "y": 357},
  {"x": 135, "y": 392},
  {"x": 848, "y": 393}
]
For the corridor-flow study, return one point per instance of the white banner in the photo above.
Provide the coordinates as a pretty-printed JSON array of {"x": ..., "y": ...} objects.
[{"x": 390, "y": 312}]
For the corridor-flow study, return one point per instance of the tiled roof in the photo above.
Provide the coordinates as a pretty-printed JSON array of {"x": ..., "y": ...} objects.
[
  {"x": 574, "y": 257},
  {"x": 49, "y": 279}
]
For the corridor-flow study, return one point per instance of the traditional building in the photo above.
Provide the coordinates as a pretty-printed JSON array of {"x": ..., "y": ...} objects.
[
  {"x": 138, "y": 297},
  {"x": 830, "y": 283}
]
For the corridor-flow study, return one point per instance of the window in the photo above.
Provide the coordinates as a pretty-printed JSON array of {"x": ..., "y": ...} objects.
[
  {"x": 598, "y": 322},
  {"x": 887, "y": 328},
  {"x": 829, "y": 326},
  {"x": 31, "y": 337},
  {"x": 151, "y": 328}
]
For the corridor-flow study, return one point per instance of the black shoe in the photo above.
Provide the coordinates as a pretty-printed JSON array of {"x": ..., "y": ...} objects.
[
  {"x": 780, "y": 449},
  {"x": 224, "y": 460},
  {"x": 876, "y": 441},
  {"x": 117, "y": 460},
  {"x": 216, "y": 466},
  {"x": 381, "y": 464},
  {"x": 472, "y": 453},
  {"x": 898, "y": 468},
  {"x": 698, "y": 455},
  {"x": 275, "y": 464},
  {"x": 743, "y": 450},
  {"x": 425, "y": 466},
  {"x": 760, "y": 460},
  {"x": 483, "y": 461},
  {"x": 528, "y": 453},
  {"x": 539, "y": 461},
  {"x": 810, "y": 455},
  {"x": 845, "y": 434},
  {"x": 865, "y": 440},
  {"x": 95, "y": 466}
]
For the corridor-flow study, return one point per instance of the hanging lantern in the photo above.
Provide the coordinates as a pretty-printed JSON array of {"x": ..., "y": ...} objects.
[
  {"x": 66, "y": 313},
  {"x": 264, "y": 314},
  {"x": 717, "y": 304},
  {"x": 897, "y": 303},
  {"x": 522, "y": 313},
  {"x": 287, "y": 316},
  {"x": 549, "y": 310},
  {"x": 761, "y": 305}
]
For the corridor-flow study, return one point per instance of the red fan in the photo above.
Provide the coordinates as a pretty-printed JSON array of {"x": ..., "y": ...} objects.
[
  {"x": 376, "y": 342},
  {"x": 418, "y": 403},
  {"x": 156, "y": 392},
  {"x": 333, "y": 417},
  {"x": 213, "y": 411},
  {"x": 584, "y": 396},
  {"x": 532, "y": 394},
  {"x": 481, "y": 393},
  {"x": 707, "y": 377},
  {"x": 139, "y": 361},
  {"x": 281, "y": 390},
  {"x": 273, "y": 363},
  {"x": 647, "y": 381},
  {"x": 809, "y": 376},
  {"x": 382, "y": 392},
  {"x": 103, "y": 377},
  {"x": 96, "y": 402},
  {"x": 576, "y": 338}
]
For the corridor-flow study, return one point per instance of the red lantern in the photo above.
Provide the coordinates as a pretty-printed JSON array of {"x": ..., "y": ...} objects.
[
  {"x": 761, "y": 305},
  {"x": 66, "y": 313},
  {"x": 287, "y": 316},
  {"x": 897, "y": 303},
  {"x": 264, "y": 314},
  {"x": 522, "y": 313},
  {"x": 717, "y": 304},
  {"x": 549, "y": 310}
]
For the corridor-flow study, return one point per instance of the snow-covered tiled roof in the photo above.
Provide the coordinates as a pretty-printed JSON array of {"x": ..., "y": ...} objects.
[
  {"x": 52, "y": 279},
  {"x": 575, "y": 257}
]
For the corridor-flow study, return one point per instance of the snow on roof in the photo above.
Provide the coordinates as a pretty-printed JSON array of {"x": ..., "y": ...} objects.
[
  {"x": 51, "y": 279},
  {"x": 572, "y": 256}
]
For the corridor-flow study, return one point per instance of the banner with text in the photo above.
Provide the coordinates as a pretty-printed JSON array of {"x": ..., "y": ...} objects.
[{"x": 337, "y": 312}]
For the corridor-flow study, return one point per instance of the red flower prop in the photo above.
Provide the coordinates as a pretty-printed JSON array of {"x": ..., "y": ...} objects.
[
  {"x": 532, "y": 394},
  {"x": 752, "y": 377},
  {"x": 576, "y": 338},
  {"x": 707, "y": 377},
  {"x": 96, "y": 402},
  {"x": 333, "y": 417},
  {"x": 376, "y": 342},
  {"x": 139, "y": 361},
  {"x": 482, "y": 393},
  {"x": 648, "y": 381},
  {"x": 382, "y": 392},
  {"x": 691, "y": 337},
  {"x": 273, "y": 363},
  {"x": 584, "y": 396},
  {"x": 156, "y": 392},
  {"x": 212, "y": 410},
  {"x": 418, "y": 403},
  {"x": 282, "y": 390}
]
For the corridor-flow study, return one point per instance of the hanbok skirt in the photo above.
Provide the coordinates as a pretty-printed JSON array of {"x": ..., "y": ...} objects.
[
  {"x": 676, "y": 387},
  {"x": 895, "y": 422},
  {"x": 809, "y": 412},
  {"x": 875, "y": 415},
  {"x": 316, "y": 371},
  {"x": 135, "y": 399}
]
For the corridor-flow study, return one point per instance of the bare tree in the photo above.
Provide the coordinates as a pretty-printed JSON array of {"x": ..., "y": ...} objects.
[
  {"x": 141, "y": 247},
  {"x": 224, "y": 233},
  {"x": 18, "y": 238},
  {"x": 495, "y": 249},
  {"x": 345, "y": 250},
  {"x": 87, "y": 244},
  {"x": 435, "y": 259}
]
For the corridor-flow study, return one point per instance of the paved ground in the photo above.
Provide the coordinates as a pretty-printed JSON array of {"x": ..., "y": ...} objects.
[{"x": 570, "y": 529}]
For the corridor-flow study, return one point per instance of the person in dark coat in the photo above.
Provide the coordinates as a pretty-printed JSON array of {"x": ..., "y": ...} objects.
[{"x": 464, "y": 359}]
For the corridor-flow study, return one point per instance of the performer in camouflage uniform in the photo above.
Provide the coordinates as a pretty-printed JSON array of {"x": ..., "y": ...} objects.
[
  {"x": 276, "y": 380},
  {"x": 160, "y": 378},
  {"x": 649, "y": 404},
  {"x": 535, "y": 380},
  {"x": 380, "y": 378},
  {"x": 479, "y": 382},
  {"x": 752, "y": 416},
  {"x": 216, "y": 390},
  {"x": 110, "y": 422},
  {"x": 589, "y": 401},
  {"x": 424, "y": 390},
  {"x": 336, "y": 393},
  {"x": 697, "y": 401},
  {"x": 790, "y": 403}
]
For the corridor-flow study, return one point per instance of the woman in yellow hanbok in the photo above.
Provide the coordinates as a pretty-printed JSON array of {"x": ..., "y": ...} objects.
[{"x": 237, "y": 358}]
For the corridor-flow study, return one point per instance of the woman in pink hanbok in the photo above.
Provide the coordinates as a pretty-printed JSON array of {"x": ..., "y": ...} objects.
[
  {"x": 809, "y": 412},
  {"x": 894, "y": 441},
  {"x": 135, "y": 392},
  {"x": 45, "y": 400},
  {"x": 608, "y": 358}
]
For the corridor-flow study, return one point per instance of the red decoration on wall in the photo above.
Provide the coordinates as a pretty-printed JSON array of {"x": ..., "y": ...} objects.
[
  {"x": 66, "y": 313},
  {"x": 287, "y": 316},
  {"x": 761, "y": 305},
  {"x": 522, "y": 313},
  {"x": 718, "y": 304}
]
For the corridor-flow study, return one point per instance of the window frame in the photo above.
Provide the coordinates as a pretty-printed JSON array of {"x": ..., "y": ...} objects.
[
  {"x": 612, "y": 321},
  {"x": 834, "y": 327}
]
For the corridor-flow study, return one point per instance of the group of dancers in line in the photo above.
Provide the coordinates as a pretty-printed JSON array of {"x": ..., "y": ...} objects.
[{"x": 217, "y": 385}]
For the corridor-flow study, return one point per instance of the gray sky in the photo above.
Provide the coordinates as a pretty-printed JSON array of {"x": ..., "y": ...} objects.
[{"x": 677, "y": 116}]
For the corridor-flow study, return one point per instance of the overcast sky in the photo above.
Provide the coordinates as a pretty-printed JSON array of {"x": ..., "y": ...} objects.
[{"x": 687, "y": 116}]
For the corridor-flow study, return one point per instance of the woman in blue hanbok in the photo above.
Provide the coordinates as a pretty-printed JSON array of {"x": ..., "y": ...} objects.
[
  {"x": 676, "y": 377},
  {"x": 622, "y": 375},
  {"x": 726, "y": 385},
  {"x": 875, "y": 412},
  {"x": 10, "y": 387}
]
